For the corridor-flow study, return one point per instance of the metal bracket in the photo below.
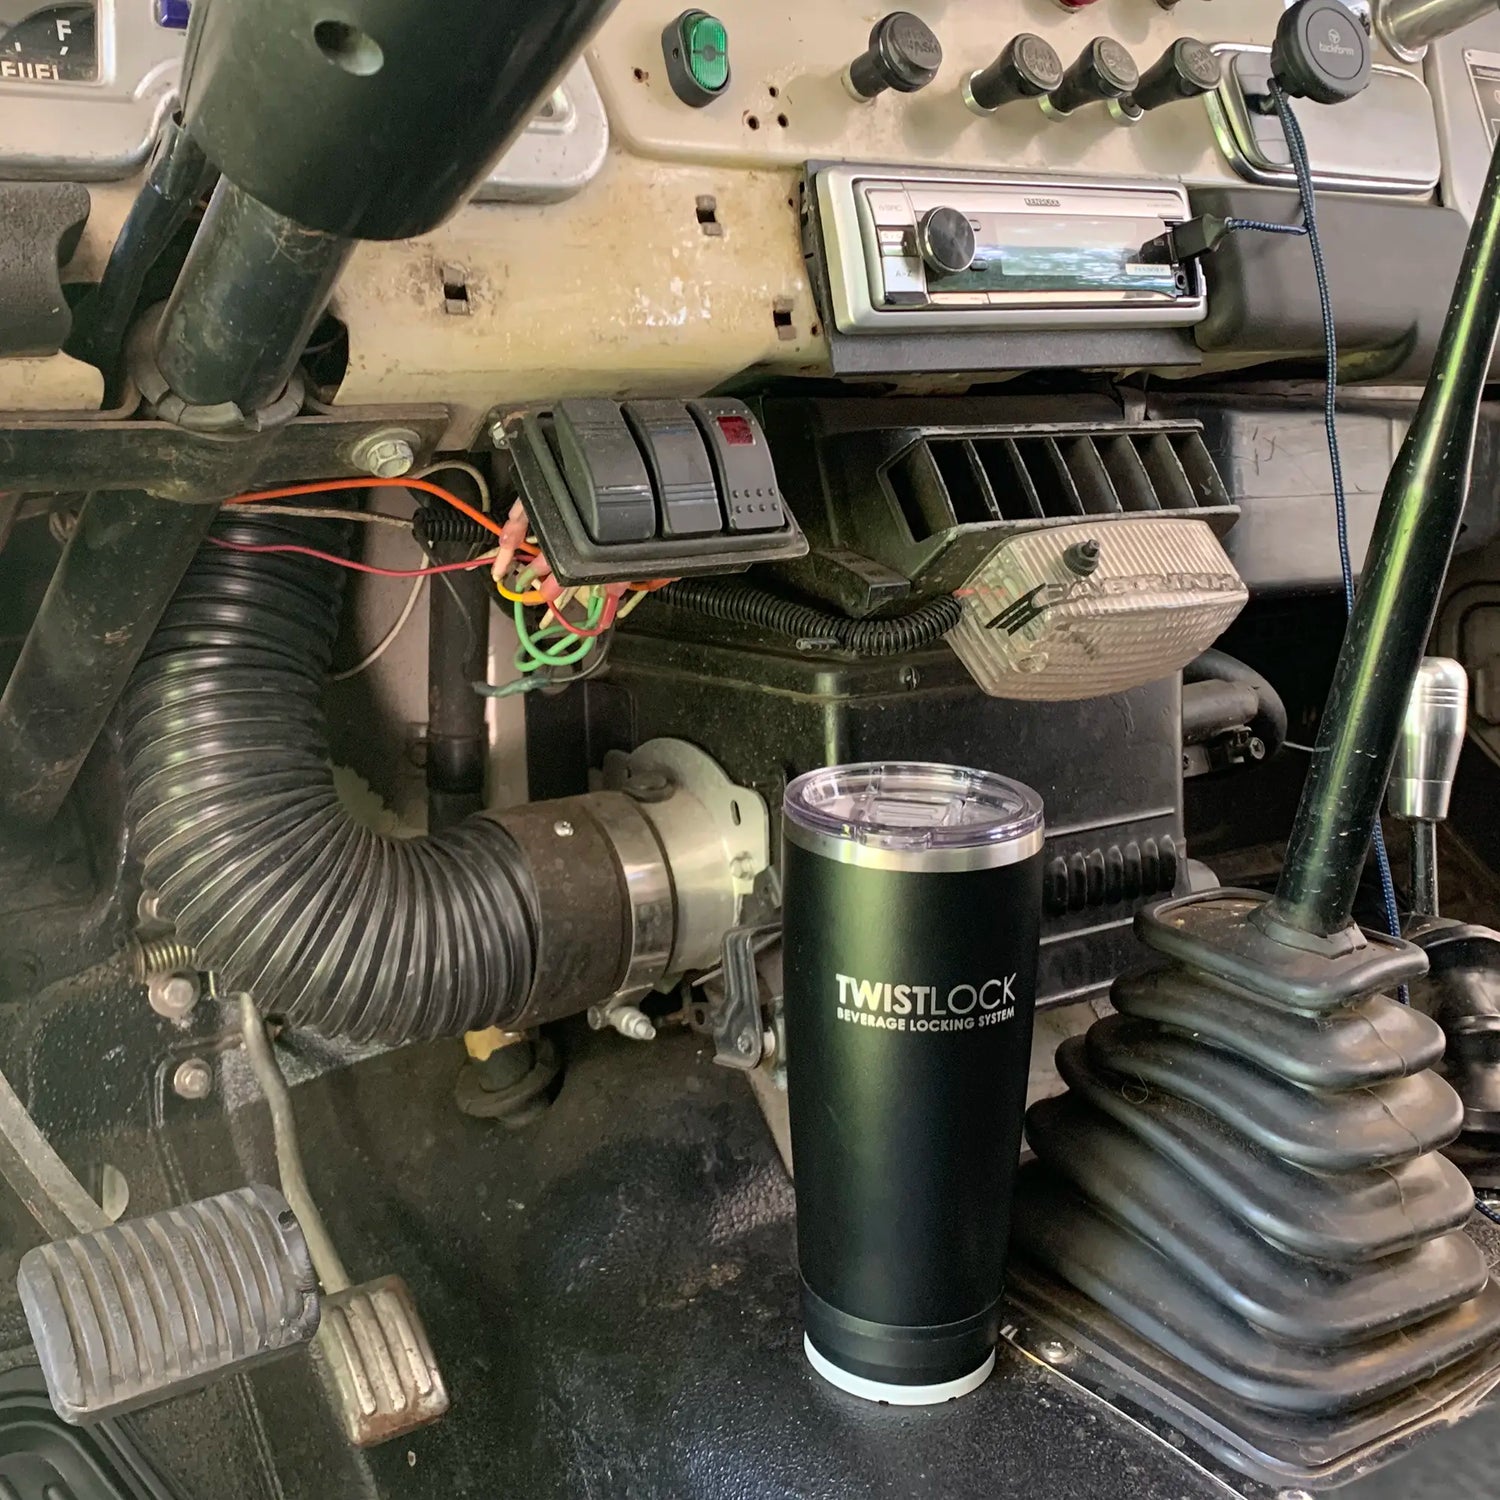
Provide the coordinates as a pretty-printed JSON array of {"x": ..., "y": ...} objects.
[
  {"x": 49, "y": 453},
  {"x": 733, "y": 1018}
]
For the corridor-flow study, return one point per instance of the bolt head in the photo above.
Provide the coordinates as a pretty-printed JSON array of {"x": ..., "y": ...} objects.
[
  {"x": 172, "y": 996},
  {"x": 1054, "y": 1351},
  {"x": 742, "y": 867},
  {"x": 384, "y": 455},
  {"x": 499, "y": 438},
  {"x": 193, "y": 1079},
  {"x": 744, "y": 1043},
  {"x": 563, "y": 829}
]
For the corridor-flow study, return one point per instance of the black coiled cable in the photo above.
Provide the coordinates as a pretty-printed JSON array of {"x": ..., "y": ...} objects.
[
  {"x": 814, "y": 629},
  {"x": 442, "y": 525}
]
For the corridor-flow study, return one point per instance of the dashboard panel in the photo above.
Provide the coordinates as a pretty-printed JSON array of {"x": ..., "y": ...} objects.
[
  {"x": 85, "y": 85},
  {"x": 671, "y": 257}
]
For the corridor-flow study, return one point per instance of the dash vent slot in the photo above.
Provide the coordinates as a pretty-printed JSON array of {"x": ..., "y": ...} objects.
[{"x": 941, "y": 482}]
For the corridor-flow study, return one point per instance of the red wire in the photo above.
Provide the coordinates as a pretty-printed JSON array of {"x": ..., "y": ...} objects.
[
  {"x": 357, "y": 567},
  {"x": 608, "y": 619}
]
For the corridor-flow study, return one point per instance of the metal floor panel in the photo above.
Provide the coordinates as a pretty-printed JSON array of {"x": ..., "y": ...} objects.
[{"x": 612, "y": 1293}]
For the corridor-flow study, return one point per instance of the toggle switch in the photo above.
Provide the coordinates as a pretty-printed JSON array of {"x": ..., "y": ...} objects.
[
  {"x": 1187, "y": 69},
  {"x": 904, "y": 54},
  {"x": 1104, "y": 70},
  {"x": 1028, "y": 68}
]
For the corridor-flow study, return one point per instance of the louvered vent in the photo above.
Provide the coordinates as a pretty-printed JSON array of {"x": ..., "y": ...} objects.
[{"x": 948, "y": 481}]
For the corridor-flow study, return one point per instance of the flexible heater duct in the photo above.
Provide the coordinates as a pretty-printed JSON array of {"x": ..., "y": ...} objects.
[{"x": 238, "y": 826}]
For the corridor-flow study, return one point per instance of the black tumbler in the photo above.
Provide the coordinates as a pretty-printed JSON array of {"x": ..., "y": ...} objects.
[{"x": 912, "y": 907}]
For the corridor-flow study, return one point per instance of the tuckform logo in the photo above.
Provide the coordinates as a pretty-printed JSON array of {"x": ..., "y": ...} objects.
[
  {"x": 1042, "y": 202},
  {"x": 1335, "y": 46}
]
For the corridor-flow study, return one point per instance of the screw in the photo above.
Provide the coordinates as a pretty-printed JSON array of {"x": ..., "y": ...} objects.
[
  {"x": 172, "y": 996},
  {"x": 1054, "y": 1351},
  {"x": 742, "y": 867},
  {"x": 386, "y": 455},
  {"x": 631, "y": 1021},
  {"x": 910, "y": 677},
  {"x": 563, "y": 829},
  {"x": 1082, "y": 558},
  {"x": 1257, "y": 748},
  {"x": 499, "y": 438},
  {"x": 744, "y": 1043},
  {"x": 194, "y": 1079}
]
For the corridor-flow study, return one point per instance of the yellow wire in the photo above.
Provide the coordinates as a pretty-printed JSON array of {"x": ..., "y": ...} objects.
[{"x": 531, "y": 596}]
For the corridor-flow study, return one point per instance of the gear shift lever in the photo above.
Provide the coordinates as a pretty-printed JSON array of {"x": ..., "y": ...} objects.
[{"x": 1432, "y": 735}]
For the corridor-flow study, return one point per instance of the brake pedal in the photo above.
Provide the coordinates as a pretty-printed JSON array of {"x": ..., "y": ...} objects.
[
  {"x": 139, "y": 1311},
  {"x": 387, "y": 1378}
]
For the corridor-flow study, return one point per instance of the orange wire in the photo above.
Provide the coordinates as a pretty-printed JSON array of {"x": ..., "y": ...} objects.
[{"x": 290, "y": 491}]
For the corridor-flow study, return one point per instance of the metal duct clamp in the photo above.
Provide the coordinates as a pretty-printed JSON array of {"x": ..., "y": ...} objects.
[{"x": 638, "y": 883}]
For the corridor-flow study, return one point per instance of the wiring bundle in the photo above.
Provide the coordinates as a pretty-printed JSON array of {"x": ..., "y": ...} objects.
[{"x": 566, "y": 628}]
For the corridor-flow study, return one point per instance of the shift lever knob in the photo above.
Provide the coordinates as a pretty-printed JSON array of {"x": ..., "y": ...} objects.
[{"x": 1432, "y": 735}]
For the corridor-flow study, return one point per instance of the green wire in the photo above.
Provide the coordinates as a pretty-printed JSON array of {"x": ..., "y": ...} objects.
[{"x": 553, "y": 646}]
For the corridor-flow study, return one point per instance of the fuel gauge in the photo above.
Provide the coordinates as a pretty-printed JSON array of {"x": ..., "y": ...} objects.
[{"x": 49, "y": 44}]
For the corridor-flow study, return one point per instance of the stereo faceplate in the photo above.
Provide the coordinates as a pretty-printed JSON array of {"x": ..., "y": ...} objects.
[{"x": 1048, "y": 252}]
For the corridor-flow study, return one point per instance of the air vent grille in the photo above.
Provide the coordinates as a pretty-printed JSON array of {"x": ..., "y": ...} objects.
[{"x": 943, "y": 482}]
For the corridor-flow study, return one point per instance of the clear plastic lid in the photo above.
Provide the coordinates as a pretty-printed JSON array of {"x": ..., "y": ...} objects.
[{"x": 910, "y": 806}]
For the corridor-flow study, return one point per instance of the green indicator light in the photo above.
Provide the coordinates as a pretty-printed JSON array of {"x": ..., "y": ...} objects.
[
  {"x": 696, "y": 46},
  {"x": 706, "y": 45}
]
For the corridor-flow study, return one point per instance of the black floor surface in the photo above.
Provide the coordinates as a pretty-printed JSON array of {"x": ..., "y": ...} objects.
[{"x": 613, "y": 1296}]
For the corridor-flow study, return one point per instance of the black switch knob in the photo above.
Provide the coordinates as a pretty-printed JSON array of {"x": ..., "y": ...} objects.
[
  {"x": 904, "y": 55},
  {"x": 1186, "y": 69},
  {"x": 945, "y": 240},
  {"x": 1320, "y": 52},
  {"x": 1104, "y": 70},
  {"x": 1028, "y": 68}
]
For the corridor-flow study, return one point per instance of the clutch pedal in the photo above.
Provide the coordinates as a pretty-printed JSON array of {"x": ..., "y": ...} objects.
[{"x": 136, "y": 1312}]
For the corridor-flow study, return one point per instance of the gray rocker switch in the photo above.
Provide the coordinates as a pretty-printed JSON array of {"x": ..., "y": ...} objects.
[
  {"x": 679, "y": 466},
  {"x": 605, "y": 471}
]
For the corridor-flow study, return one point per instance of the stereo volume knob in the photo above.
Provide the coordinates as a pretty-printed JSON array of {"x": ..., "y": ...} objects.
[
  {"x": 1104, "y": 70},
  {"x": 945, "y": 239},
  {"x": 1027, "y": 69},
  {"x": 1186, "y": 69},
  {"x": 904, "y": 55}
]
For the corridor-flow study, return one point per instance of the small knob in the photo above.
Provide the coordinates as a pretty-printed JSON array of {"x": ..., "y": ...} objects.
[
  {"x": 1432, "y": 735},
  {"x": 1186, "y": 69},
  {"x": 904, "y": 55},
  {"x": 945, "y": 240},
  {"x": 1320, "y": 52},
  {"x": 1104, "y": 70},
  {"x": 1028, "y": 68}
]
